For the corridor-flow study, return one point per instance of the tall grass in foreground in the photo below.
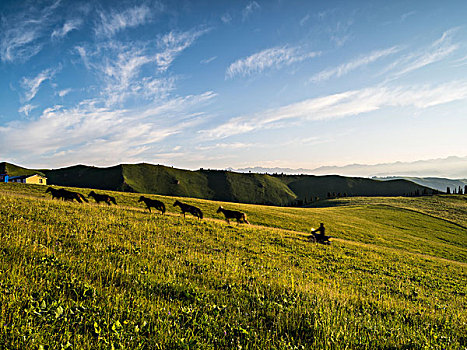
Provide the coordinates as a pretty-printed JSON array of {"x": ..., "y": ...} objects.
[{"x": 97, "y": 277}]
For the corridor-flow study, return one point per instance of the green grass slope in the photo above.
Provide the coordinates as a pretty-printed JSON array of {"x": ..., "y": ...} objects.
[
  {"x": 86, "y": 176},
  {"x": 148, "y": 178},
  {"x": 207, "y": 184},
  {"x": 246, "y": 188},
  {"x": 90, "y": 276},
  {"x": 14, "y": 170},
  {"x": 305, "y": 186}
]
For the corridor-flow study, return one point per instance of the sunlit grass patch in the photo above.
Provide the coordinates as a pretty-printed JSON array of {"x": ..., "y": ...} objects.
[{"x": 93, "y": 276}]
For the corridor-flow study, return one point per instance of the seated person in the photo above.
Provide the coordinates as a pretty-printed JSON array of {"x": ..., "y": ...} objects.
[{"x": 319, "y": 231}]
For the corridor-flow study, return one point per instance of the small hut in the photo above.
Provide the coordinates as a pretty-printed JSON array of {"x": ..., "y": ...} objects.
[{"x": 35, "y": 179}]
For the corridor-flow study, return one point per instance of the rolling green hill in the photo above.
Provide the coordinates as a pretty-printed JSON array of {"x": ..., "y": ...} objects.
[
  {"x": 309, "y": 185},
  {"x": 207, "y": 184},
  {"x": 14, "y": 170},
  {"x": 88, "y": 176},
  {"x": 222, "y": 185}
]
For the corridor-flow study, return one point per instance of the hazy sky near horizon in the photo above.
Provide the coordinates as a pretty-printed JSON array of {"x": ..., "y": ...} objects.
[{"x": 219, "y": 84}]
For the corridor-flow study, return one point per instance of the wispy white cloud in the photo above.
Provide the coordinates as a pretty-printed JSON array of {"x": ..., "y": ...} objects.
[
  {"x": 226, "y": 18},
  {"x": 26, "y": 109},
  {"x": 126, "y": 70},
  {"x": 84, "y": 55},
  {"x": 21, "y": 33},
  {"x": 349, "y": 103},
  {"x": 304, "y": 20},
  {"x": 121, "y": 71},
  {"x": 114, "y": 22},
  {"x": 460, "y": 62},
  {"x": 208, "y": 60},
  {"x": 64, "y": 92},
  {"x": 173, "y": 43},
  {"x": 437, "y": 51},
  {"x": 340, "y": 32},
  {"x": 152, "y": 88},
  {"x": 270, "y": 58},
  {"x": 99, "y": 135},
  {"x": 178, "y": 104},
  {"x": 32, "y": 85},
  {"x": 228, "y": 146},
  {"x": 249, "y": 9},
  {"x": 19, "y": 45},
  {"x": 352, "y": 65},
  {"x": 406, "y": 15},
  {"x": 67, "y": 27}
]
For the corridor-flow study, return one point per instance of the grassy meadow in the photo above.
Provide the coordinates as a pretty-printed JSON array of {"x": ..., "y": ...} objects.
[{"x": 88, "y": 276}]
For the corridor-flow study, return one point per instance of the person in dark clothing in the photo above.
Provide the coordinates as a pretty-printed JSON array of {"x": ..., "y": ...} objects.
[
  {"x": 319, "y": 231},
  {"x": 319, "y": 235}
]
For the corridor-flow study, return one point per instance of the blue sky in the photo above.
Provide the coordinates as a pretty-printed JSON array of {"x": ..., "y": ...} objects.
[{"x": 219, "y": 84}]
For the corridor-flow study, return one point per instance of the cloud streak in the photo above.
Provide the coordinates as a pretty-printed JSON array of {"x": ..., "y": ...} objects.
[
  {"x": 121, "y": 71},
  {"x": 275, "y": 57},
  {"x": 227, "y": 146},
  {"x": 208, "y": 60},
  {"x": 20, "y": 34},
  {"x": 437, "y": 51},
  {"x": 173, "y": 43},
  {"x": 349, "y": 103},
  {"x": 353, "y": 65},
  {"x": 136, "y": 70},
  {"x": 112, "y": 23},
  {"x": 249, "y": 9},
  {"x": 26, "y": 109},
  {"x": 32, "y": 85},
  {"x": 67, "y": 27},
  {"x": 101, "y": 135},
  {"x": 64, "y": 92}
]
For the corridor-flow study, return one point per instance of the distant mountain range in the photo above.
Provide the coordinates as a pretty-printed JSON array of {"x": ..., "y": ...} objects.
[
  {"x": 451, "y": 167},
  {"x": 219, "y": 185},
  {"x": 437, "y": 183}
]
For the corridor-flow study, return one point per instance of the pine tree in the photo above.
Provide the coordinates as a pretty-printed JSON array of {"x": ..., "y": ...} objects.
[{"x": 448, "y": 190}]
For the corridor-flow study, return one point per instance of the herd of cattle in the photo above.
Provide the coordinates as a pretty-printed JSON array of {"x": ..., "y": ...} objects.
[{"x": 150, "y": 203}]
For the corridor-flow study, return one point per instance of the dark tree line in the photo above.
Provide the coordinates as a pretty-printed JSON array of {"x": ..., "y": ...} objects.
[
  {"x": 458, "y": 190},
  {"x": 418, "y": 193}
]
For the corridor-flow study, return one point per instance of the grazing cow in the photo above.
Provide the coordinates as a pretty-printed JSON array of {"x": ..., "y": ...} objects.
[
  {"x": 187, "y": 208},
  {"x": 154, "y": 203},
  {"x": 66, "y": 195},
  {"x": 233, "y": 214},
  {"x": 102, "y": 198}
]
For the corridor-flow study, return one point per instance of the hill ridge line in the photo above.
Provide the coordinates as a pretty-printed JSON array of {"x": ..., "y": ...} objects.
[{"x": 223, "y": 185}]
